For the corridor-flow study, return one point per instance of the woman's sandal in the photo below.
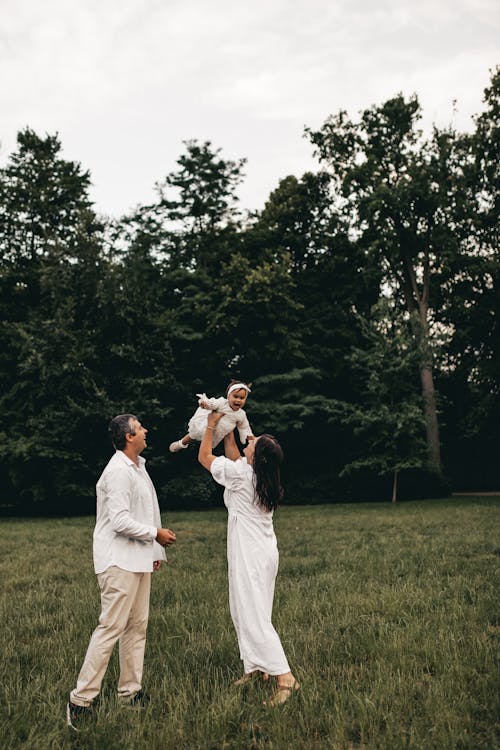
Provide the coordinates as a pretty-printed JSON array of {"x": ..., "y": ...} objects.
[
  {"x": 249, "y": 677},
  {"x": 282, "y": 694}
]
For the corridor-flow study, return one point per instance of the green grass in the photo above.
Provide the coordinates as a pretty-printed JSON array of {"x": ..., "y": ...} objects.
[{"x": 388, "y": 615}]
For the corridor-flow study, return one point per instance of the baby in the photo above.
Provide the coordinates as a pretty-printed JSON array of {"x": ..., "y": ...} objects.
[{"x": 233, "y": 413}]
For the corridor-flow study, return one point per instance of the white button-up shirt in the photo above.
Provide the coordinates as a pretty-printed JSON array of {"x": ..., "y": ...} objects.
[{"x": 128, "y": 516}]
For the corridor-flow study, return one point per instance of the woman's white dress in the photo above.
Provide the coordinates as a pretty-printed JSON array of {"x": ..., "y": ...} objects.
[{"x": 252, "y": 556}]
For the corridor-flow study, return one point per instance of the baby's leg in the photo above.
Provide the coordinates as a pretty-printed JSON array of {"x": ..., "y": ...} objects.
[{"x": 178, "y": 445}]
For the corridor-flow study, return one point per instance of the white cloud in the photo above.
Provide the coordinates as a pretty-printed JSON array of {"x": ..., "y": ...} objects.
[{"x": 125, "y": 81}]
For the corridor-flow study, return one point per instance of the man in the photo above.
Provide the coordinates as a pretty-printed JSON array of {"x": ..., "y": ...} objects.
[{"x": 128, "y": 546}]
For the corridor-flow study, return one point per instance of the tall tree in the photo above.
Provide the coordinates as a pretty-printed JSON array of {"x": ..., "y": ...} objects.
[
  {"x": 330, "y": 272},
  {"x": 177, "y": 249},
  {"x": 43, "y": 201},
  {"x": 50, "y": 264},
  {"x": 386, "y": 416},
  {"x": 471, "y": 305},
  {"x": 484, "y": 200},
  {"x": 399, "y": 194},
  {"x": 199, "y": 199}
]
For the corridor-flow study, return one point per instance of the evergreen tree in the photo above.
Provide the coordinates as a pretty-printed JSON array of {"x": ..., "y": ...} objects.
[{"x": 49, "y": 274}]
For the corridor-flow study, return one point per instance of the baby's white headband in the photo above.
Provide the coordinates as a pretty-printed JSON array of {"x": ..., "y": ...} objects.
[{"x": 237, "y": 387}]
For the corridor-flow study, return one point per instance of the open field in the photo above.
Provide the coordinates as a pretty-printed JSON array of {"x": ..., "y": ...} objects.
[{"x": 388, "y": 615}]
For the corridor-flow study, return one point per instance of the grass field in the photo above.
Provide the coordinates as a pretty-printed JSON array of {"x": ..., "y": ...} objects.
[{"x": 388, "y": 615}]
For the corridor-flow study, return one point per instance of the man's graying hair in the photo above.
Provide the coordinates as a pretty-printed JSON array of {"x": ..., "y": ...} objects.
[{"x": 119, "y": 428}]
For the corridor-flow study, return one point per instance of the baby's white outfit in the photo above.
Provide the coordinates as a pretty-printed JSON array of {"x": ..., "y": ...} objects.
[{"x": 230, "y": 419}]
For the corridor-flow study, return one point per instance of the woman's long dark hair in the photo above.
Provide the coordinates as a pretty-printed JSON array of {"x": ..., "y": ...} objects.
[{"x": 267, "y": 460}]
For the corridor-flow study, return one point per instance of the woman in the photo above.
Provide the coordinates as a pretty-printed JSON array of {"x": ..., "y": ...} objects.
[{"x": 252, "y": 491}]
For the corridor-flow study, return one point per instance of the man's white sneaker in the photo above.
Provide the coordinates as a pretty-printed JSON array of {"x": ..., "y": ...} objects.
[{"x": 176, "y": 446}]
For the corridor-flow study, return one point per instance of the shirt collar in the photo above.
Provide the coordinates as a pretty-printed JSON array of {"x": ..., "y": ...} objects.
[{"x": 129, "y": 461}]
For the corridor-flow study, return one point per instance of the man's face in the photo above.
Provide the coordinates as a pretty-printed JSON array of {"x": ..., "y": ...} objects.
[{"x": 138, "y": 440}]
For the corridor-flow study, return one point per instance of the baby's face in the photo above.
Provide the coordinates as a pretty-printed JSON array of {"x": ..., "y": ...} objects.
[{"x": 237, "y": 399}]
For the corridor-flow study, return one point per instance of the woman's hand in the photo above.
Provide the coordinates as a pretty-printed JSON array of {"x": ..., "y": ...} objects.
[{"x": 213, "y": 419}]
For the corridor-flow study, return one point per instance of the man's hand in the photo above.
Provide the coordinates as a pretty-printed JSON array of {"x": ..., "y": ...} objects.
[
  {"x": 157, "y": 564},
  {"x": 165, "y": 537}
]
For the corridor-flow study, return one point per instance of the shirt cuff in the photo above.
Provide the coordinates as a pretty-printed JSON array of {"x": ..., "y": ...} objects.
[{"x": 154, "y": 532}]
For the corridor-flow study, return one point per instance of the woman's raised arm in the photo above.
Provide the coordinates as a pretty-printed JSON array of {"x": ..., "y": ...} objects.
[
  {"x": 205, "y": 455},
  {"x": 230, "y": 448}
]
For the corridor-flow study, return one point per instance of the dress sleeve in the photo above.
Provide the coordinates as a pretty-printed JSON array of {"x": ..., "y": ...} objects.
[
  {"x": 225, "y": 471},
  {"x": 213, "y": 403},
  {"x": 244, "y": 428}
]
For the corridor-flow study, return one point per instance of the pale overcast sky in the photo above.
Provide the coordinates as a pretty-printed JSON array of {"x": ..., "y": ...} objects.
[{"x": 124, "y": 82}]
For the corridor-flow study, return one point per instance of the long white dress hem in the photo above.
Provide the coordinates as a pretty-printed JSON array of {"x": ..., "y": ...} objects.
[{"x": 253, "y": 558}]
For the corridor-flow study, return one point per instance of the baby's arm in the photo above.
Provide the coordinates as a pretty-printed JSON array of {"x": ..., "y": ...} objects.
[
  {"x": 208, "y": 403},
  {"x": 203, "y": 400},
  {"x": 244, "y": 429}
]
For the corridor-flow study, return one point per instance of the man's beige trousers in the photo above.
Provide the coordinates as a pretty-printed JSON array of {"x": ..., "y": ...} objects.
[{"x": 124, "y": 617}]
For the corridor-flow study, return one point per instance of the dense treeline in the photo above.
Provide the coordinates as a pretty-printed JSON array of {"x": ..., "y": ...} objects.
[{"x": 362, "y": 302}]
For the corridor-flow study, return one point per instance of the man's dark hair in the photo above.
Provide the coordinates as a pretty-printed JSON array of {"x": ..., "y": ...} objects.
[{"x": 119, "y": 428}]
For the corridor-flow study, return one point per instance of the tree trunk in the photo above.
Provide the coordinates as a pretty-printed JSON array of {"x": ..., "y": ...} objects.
[
  {"x": 395, "y": 486},
  {"x": 431, "y": 420},
  {"x": 418, "y": 309}
]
